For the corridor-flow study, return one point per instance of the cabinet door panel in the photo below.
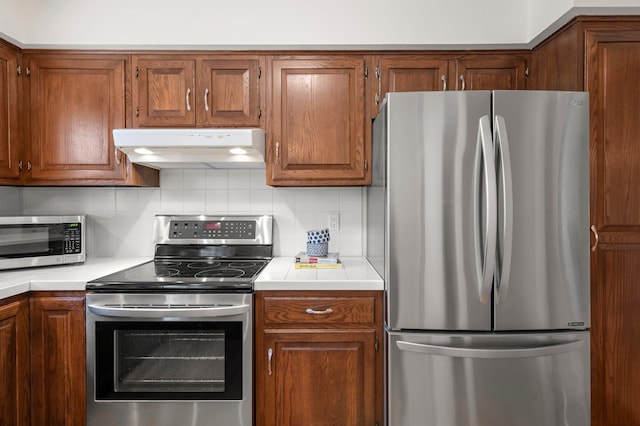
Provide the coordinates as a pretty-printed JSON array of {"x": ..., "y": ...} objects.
[
  {"x": 317, "y": 131},
  {"x": 321, "y": 378},
  {"x": 9, "y": 132},
  {"x": 411, "y": 73},
  {"x": 58, "y": 360},
  {"x": 494, "y": 73},
  {"x": 163, "y": 92},
  {"x": 75, "y": 105},
  {"x": 229, "y": 93},
  {"x": 14, "y": 363}
]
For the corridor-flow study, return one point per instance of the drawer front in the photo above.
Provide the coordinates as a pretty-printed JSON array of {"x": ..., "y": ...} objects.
[{"x": 319, "y": 310}]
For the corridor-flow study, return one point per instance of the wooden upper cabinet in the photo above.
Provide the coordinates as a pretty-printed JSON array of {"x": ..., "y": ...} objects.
[
  {"x": 436, "y": 72},
  {"x": 9, "y": 130},
  {"x": 75, "y": 102},
  {"x": 410, "y": 73},
  {"x": 316, "y": 134},
  {"x": 230, "y": 90},
  {"x": 163, "y": 92},
  {"x": 196, "y": 91},
  {"x": 491, "y": 72}
]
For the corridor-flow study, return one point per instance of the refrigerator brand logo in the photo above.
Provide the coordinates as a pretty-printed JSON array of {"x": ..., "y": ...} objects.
[
  {"x": 576, "y": 102},
  {"x": 576, "y": 324}
]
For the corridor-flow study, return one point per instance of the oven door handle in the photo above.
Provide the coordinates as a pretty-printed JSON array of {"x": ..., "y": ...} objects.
[{"x": 165, "y": 312}]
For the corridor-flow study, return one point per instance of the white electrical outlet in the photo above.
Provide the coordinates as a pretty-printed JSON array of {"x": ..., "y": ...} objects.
[{"x": 334, "y": 222}]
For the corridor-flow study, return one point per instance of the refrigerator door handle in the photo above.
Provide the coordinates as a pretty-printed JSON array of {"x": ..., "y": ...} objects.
[
  {"x": 493, "y": 353},
  {"x": 485, "y": 155},
  {"x": 506, "y": 245}
]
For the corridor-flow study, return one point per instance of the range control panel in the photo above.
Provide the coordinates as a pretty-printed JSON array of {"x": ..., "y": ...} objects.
[{"x": 219, "y": 230}]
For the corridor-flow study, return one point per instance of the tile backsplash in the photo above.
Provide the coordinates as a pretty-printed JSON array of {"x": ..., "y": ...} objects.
[{"x": 120, "y": 219}]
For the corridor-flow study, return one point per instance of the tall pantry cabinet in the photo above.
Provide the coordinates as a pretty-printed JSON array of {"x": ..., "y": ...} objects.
[{"x": 602, "y": 56}]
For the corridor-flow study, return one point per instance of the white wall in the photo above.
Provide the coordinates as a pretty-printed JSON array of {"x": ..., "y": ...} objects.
[
  {"x": 120, "y": 219},
  {"x": 546, "y": 16},
  {"x": 256, "y": 24}
]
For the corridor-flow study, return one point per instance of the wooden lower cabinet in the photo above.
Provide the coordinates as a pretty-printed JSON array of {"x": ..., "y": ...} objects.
[
  {"x": 14, "y": 362},
  {"x": 318, "y": 358},
  {"x": 58, "y": 359}
]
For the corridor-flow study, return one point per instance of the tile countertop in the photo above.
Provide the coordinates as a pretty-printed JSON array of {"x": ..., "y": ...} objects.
[
  {"x": 62, "y": 278},
  {"x": 280, "y": 274},
  {"x": 356, "y": 274}
]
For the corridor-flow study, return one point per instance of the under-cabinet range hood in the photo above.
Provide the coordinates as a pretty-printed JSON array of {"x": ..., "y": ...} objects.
[{"x": 192, "y": 148}]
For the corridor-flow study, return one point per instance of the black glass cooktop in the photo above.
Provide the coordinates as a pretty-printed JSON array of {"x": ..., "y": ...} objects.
[{"x": 183, "y": 275}]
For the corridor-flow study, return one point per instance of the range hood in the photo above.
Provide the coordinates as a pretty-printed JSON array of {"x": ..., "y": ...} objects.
[{"x": 192, "y": 148}]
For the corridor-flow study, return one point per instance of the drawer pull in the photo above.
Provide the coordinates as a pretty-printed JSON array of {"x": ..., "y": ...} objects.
[{"x": 314, "y": 312}]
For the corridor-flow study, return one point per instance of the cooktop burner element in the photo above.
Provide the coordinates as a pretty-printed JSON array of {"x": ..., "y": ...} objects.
[{"x": 187, "y": 260}]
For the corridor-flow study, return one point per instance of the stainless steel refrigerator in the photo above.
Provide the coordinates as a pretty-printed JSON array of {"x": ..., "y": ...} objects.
[{"x": 478, "y": 220}]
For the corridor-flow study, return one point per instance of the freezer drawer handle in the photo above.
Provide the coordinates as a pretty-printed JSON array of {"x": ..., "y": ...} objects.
[
  {"x": 456, "y": 352},
  {"x": 314, "y": 312},
  {"x": 164, "y": 312}
]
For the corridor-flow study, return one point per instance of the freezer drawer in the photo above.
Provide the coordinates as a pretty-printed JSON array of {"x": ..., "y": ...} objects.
[{"x": 488, "y": 379}]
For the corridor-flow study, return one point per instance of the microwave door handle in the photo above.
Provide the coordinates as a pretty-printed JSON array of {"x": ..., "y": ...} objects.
[
  {"x": 487, "y": 248},
  {"x": 502, "y": 148},
  {"x": 520, "y": 352},
  {"x": 164, "y": 312}
]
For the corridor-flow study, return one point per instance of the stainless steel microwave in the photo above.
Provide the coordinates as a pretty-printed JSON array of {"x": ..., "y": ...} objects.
[{"x": 27, "y": 241}]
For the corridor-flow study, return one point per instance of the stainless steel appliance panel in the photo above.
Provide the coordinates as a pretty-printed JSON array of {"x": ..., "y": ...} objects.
[
  {"x": 433, "y": 161},
  {"x": 489, "y": 379},
  {"x": 542, "y": 275}
]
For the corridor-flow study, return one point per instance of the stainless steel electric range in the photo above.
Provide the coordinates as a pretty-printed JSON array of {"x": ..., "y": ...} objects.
[{"x": 170, "y": 341}]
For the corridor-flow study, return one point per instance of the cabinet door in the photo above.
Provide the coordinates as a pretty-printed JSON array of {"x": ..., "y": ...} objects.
[
  {"x": 9, "y": 131},
  {"x": 163, "y": 92},
  {"x": 14, "y": 363},
  {"x": 411, "y": 73},
  {"x": 493, "y": 72},
  {"x": 316, "y": 132},
  {"x": 75, "y": 103},
  {"x": 58, "y": 360},
  {"x": 613, "y": 65},
  {"x": 228, "y": 92},
  {"x": 318, "y": 377}
]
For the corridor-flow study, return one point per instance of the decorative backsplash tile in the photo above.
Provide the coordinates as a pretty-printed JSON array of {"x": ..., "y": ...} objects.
[{"x": 120, "y": 219}]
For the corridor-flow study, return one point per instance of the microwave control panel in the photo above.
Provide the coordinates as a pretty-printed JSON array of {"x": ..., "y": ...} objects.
[{"x": 72, "y": 238}]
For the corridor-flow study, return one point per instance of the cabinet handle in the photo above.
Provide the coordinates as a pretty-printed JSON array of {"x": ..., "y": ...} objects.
[
  {"x": 20, "y": 165},
  {"x": 463, "y": 83},
  {"x": 188, "y": 95},
  {"x": 29, "y": 166},
  {"x": 206, "y": 99},
  {"x": 314, "y": 312},
  {"x": 595, "y": 234},
  {"x": 444, "y": 82},
  {"x": 277, "y": 152},
  {"x": 269, "y": 355}
]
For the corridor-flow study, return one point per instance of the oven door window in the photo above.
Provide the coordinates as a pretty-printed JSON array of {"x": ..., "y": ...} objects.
[{"x": 168, "y": 360}]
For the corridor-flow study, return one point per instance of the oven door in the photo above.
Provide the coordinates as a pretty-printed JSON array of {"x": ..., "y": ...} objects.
[{"x": 161, "y": 358}]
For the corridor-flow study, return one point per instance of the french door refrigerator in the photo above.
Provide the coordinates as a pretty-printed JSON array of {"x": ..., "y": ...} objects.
[{"x": 478, "y": 220}]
